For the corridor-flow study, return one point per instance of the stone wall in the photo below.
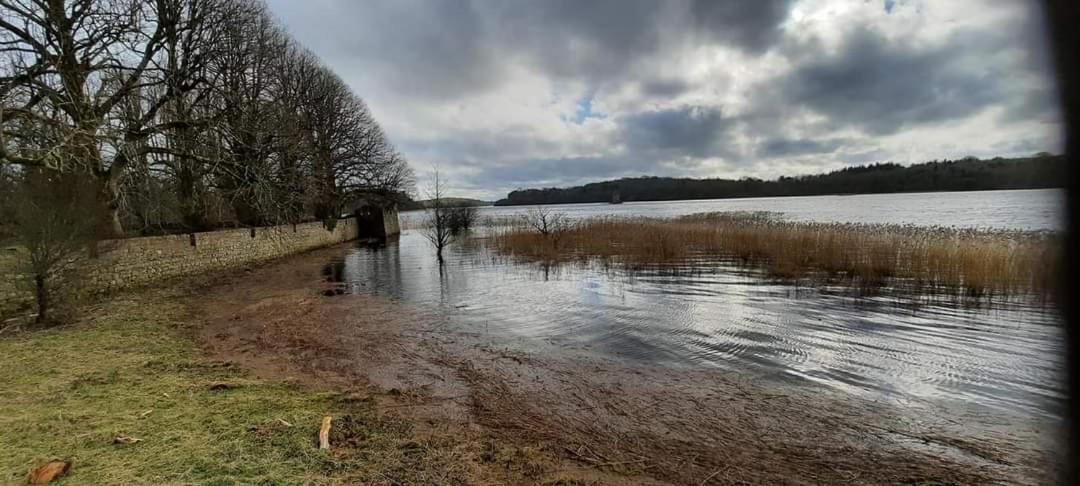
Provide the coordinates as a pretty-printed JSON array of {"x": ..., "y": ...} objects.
[
  {"x": 136, "y": 262},
  {"x": 391, "y": 221}
]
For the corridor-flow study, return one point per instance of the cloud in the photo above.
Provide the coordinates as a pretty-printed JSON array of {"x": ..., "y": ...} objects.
[
  {"x": 665, "y": 88},
  {"x": 693, "y": 130},
  {"x": 562, "y": 171},
  {"x": 880, "y": 86},
  {"x": 753, "y": 26},
  {"x": 508, "y": 93},
  {"x": 779, "y": 147}
]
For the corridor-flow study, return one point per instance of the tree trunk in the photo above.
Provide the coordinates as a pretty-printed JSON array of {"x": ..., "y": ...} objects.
[
  {"x": 85, "y": 149},
  {"x": 41, "y": 295},
  {"x": 112, "y": 227},
  {"x": 192, "y": 208},
  {"x": 116, "y": 228}
]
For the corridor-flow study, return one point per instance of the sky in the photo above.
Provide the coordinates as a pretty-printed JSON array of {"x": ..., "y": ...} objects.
[{"x": 506, "y": 94}]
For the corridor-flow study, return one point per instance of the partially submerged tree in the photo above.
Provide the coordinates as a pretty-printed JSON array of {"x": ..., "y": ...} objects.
[
  {"x": 462, "y": 218},
  {"x": 550, "y": 224},
  {"x": 437, "y": 230}
]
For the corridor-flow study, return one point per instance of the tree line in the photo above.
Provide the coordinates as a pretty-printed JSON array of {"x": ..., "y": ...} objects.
[
  {"x": 1042, "y": 170},
  {"x": 182, "y": 115}
]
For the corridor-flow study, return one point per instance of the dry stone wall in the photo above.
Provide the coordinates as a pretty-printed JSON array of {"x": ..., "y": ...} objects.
[{"x": 137, "y": 262}]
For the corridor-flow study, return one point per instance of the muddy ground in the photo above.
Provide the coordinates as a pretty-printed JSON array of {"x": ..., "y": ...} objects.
[{"x": 565, "y": 419}]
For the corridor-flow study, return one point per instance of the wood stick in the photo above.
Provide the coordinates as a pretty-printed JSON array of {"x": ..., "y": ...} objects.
[{"x": 324, "y": 433}]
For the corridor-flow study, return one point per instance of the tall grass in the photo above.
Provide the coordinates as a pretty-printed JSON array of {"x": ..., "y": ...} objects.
[{"x": 925, "y": 260}]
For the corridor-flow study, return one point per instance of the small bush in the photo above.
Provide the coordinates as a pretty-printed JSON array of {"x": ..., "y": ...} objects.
[
  {"x": 461, "y": 219},
  {"x": 56, "y": 219}
]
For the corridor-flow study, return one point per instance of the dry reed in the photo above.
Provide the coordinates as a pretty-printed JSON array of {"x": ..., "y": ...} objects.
[{"x": 962, "y": 263}]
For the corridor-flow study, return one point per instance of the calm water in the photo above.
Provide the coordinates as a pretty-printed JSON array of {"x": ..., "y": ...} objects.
[
  {"x": 711, "y": 314},
  {"x": 1028, "y": 210}
]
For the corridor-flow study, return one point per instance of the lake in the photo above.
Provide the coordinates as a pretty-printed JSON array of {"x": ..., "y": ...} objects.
[
  {"x": 1037, "y": 209},
  {"x": 708, "y": 313}
]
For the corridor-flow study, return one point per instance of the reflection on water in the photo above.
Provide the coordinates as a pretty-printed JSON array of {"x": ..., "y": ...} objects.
[{"x": 718, "y": 315}]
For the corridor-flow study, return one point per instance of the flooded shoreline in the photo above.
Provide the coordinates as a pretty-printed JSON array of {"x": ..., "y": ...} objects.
[
  {"x": 1006, "y": 356},
  {"x": 672, "y": 421}
]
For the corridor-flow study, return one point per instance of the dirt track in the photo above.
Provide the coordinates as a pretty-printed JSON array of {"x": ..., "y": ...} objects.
[{"x": 593, "y": 420}]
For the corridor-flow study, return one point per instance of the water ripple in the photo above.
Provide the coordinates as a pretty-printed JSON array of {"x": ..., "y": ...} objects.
[{"x": 716, "y": 315}]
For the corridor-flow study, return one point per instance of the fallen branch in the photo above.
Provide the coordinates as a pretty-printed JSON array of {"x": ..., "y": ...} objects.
[{"x": 324, "y": 433}]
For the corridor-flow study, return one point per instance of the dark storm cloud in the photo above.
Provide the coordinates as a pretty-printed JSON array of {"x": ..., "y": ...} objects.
[
  {"x": 1037, "y": 103},
  {"x": 779, "y": 147},
  {"x": 694, "y": 130},
  {"x": 881, "y": 86},
  {"x": 664, "y": 88},
  {"x": 421, "y": 48},
  {"x": 593, "y": 41},
  {"x": 602, "y": 40},
  {"x": 754, "y": 25},
  {"x": 456, "y": 47}
]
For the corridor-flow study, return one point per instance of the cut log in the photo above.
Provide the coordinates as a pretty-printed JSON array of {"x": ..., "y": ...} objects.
[
  {"x": 48, "y": 472},
  {"x": 324, "y": 433}
]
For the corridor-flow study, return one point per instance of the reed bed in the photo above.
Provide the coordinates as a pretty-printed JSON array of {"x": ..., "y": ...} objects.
[{"x": 963, "y": 263}]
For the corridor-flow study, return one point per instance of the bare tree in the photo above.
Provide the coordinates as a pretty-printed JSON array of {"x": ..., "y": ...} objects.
[
  {"x": 546, "y": 222},
  {"x": 437, "y": 229},
  {"x": 180, "y": 153},
  {"x": 68, "y": 65},
  {"x": 248, "y": 132},
  {"x": 177, "y": 108},
  {"x": 54, "y": 222}
]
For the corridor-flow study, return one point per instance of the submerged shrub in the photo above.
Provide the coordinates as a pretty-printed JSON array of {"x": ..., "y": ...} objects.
[{"x": 461, "y": 219}]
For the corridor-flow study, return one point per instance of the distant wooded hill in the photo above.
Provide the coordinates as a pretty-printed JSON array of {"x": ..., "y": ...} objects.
[{"x": 970, "y": 174}]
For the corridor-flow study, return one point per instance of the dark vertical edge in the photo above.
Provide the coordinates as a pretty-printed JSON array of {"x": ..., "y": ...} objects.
[{"x": 1062, "y": 19}]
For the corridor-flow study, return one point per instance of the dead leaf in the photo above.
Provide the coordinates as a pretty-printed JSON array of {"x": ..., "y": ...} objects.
[
  {"x": 125, "y": 439},
  {"x": 48, "y": 472}
]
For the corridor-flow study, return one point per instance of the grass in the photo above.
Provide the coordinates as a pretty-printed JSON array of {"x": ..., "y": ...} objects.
[
  {"x": 131, "y": 367},
  {"x": 965, "y": 264}
]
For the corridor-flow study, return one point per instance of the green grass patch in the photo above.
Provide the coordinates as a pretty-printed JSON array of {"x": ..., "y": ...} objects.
[{"x": 129, "y": 367}]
